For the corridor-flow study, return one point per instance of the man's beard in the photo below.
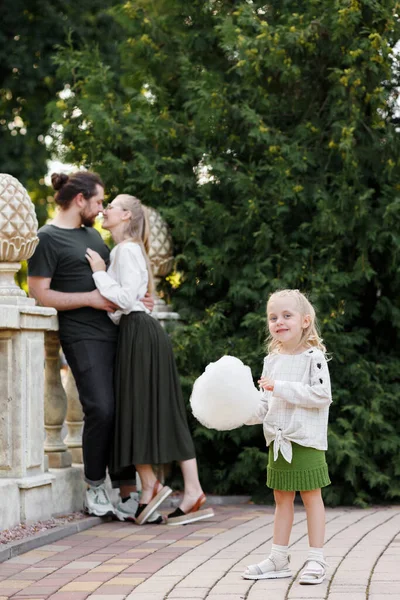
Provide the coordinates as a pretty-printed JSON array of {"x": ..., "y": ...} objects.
[{"x": 87, "y": 221}]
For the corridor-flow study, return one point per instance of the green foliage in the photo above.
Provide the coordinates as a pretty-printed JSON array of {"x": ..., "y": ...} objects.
[
  {"x": 287, "y": 110},
  {"x": 29, "y": 34}
]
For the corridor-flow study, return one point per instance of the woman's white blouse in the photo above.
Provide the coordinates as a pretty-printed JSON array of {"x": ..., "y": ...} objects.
[
  {"x": 125, "y": 281},
  {"x": 297, "y": 410}
]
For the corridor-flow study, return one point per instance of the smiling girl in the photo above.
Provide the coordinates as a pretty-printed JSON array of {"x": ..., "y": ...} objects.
[{"x": 294, "y": 412}]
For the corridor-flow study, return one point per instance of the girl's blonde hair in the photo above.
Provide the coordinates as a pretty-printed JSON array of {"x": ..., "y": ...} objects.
[
  {"x": 138, "y": 229},
  {"x": 310, "y": 336}
]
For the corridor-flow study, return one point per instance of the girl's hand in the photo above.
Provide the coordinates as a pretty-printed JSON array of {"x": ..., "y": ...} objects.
[
  {"x": 266, "y": 384},
  {"x": 95, "y": 261}
]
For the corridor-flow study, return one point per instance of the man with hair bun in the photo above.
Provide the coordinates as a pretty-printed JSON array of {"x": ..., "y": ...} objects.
[{"x": 60, "y": 276}]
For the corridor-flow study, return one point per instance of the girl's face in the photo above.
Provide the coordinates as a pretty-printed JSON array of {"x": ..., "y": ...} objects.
[{"x": 285, "y": 322}]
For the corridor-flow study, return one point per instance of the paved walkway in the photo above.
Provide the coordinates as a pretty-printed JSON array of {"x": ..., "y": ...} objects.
[{"x": 118, "y": 561}]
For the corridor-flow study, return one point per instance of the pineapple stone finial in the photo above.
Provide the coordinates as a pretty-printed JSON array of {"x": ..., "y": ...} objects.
[
  {"x": 18, "y": 228},
  {"x": 161, "y": 252}
]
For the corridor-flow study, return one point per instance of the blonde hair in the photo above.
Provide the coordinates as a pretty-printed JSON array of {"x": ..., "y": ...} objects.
[
  {"x": 137, "y": 229},
  {"x": 310, "y": 336}
]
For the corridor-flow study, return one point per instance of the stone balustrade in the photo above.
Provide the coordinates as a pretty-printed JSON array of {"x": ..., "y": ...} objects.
[
  {"x": 55, "y": 405},
  {"x": 36, "y": 476},
  {"x": 74, "y": 419},
  {"x": 62, "y": 410}
]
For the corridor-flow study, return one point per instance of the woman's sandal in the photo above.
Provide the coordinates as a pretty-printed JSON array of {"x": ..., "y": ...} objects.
[
  {"x": 144, "y": 511},
  {"x": 178, "y": 517},
  {"x": 267, "y": 569},
  {"x": 314, "y": 572}
]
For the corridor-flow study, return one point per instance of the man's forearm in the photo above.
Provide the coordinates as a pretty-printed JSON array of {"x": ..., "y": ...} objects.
[{"x": 61, "y": 300}]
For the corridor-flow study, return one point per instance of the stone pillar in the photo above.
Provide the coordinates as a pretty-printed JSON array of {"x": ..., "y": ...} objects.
[
  {"x": 55, "y": 405},
  {"x": 74, "y": 419},
  {"x": 22, "y": 327}
]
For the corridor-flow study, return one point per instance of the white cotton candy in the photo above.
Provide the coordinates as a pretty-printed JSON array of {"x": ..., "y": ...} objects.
[{"x": 224, "y": 396}]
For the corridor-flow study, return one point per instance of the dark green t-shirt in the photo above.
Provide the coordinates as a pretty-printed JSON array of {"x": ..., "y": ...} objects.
[{"x": 60, "y": 255}]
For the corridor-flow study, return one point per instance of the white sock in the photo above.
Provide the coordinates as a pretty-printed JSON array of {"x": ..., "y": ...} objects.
[
  {"x": 316, "y": 554},
  {"x": 280, "y": 553}
]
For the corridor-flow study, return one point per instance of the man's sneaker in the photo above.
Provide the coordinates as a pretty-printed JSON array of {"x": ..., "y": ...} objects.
[
  {"x": 97, "y": 502},
  {"x": 126, "y": 511}
]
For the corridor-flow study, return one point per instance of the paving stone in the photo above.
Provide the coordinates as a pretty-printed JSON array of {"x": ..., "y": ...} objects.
[
  {"x": 381, "y": 578},
  {"x": 107, "y": 596},
  {"x": 384, "y": 596},
  {"x": 30, "y": 576},
  {"x": 135, "y": 595},
  {"x": 56, "y": 547},
  {"x": 198, "y": 561},
  {"x": 390, "y": 587},
  {"x": 84, "y": 565},
  {"x": 109, "y": 568},
  {"x": 15, "y": 584},
  {"x": 225, "y": 597},
  {"x": 68, "y": 596},
  {"x": 125, "y": 581},
  {"x": 121, "y": 561},
  {"x": 102, "y": 577},
  {"x": 39, "y": 597},
  {"x": 354, "y": 596},
  {"x": 81, "y": 586},
  {"x": 188, "y": 593},
  {"x": 40, "y": 591},
  {"x": 116, "y": 589}
]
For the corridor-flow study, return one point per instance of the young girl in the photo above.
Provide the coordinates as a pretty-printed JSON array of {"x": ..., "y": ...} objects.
[
  {"x": 294, "y": 412},
  {"x": 151, "y": 424}
]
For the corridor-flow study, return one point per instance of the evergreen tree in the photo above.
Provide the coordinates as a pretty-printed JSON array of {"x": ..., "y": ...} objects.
[
  {"x": 266, "y": 136},
  {"x": 29, "y": 34}
]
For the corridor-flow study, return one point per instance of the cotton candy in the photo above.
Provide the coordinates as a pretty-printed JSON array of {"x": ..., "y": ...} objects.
[{"x": 224, "y": 396}]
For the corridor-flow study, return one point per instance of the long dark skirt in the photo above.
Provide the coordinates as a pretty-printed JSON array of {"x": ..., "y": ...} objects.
[{"x": 151, "y": 423}]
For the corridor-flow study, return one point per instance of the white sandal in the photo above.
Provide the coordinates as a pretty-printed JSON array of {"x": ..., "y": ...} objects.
[
  {"x": 267, "y": 570},
  {"x": 314, "y": 572}
]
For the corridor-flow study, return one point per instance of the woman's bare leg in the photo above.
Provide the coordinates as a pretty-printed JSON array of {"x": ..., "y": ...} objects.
[
  {"x": 125, "y": 490},
  {"x": 192, "y": 487},
  {"x": 148, "y": 481}
]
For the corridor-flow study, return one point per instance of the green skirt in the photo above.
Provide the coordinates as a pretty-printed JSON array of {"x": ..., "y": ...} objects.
[
  {"x": 307, "y": 471},
  {"x": 151, "y": 424}
]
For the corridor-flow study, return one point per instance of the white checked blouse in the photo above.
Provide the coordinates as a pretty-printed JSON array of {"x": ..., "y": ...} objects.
[{"x": 297, "y": 410}]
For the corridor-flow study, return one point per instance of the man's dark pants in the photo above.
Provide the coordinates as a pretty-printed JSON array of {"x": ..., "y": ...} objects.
[{"x": 92, "y": 365}]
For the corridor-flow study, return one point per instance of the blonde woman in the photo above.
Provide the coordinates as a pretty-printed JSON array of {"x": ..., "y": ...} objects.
[
  {"x": 294, "y": 412},
  {"x": 151, "y": 424}
]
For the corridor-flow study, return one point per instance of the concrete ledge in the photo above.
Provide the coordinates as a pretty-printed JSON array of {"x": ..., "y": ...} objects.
[
  {"x": 28, "y": 483},
  {"x": 9, "y": 504},
  {"x": 47, "y": 537},
  {"x": 68, "y": 489},
  {"x": 38, "y": 498}
]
